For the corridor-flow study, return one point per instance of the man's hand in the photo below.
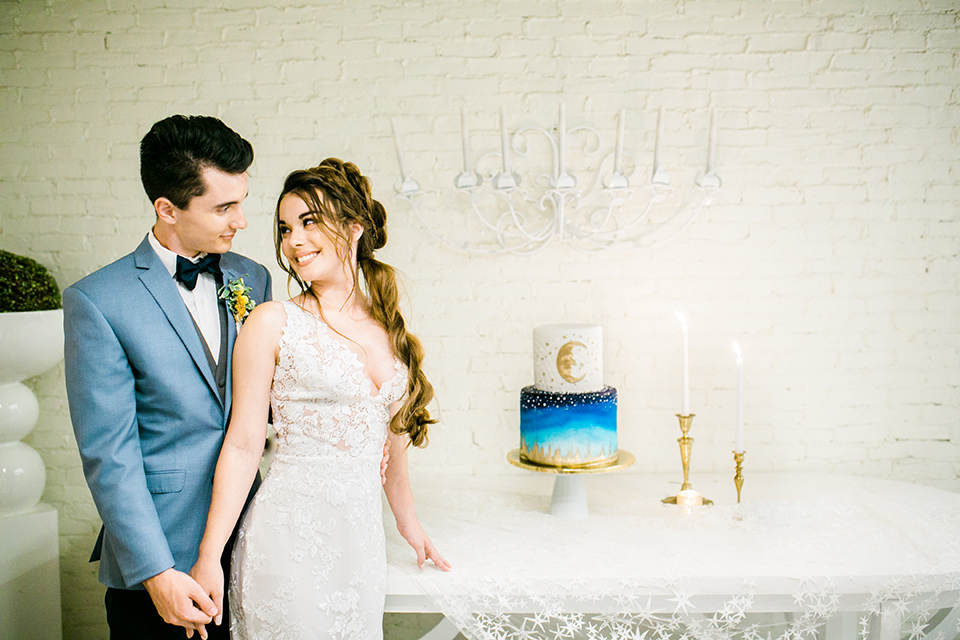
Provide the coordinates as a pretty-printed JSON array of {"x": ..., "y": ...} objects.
[
  {"x": 181, "y": 601},
  {"x": 383, "y": 463}
]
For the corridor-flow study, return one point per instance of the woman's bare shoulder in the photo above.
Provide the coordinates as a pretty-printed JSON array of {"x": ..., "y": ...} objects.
[
  {"x": 271, "y": 312},
  {"x": 267, "y": 320}
]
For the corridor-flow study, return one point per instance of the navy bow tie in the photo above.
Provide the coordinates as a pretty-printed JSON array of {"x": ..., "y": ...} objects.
[{"x": 187, "y": 271}]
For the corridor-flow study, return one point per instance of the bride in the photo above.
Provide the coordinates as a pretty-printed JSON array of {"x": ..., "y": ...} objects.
[{"x": 342, "y": 375}]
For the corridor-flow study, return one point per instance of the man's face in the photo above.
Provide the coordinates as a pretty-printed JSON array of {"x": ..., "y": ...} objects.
[{"x": 210, "y": 221}]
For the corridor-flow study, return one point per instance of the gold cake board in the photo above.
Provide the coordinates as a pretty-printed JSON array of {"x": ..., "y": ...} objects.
[
  {"x": 569, "y": 499},
  {"x": 623, "y": 460}
]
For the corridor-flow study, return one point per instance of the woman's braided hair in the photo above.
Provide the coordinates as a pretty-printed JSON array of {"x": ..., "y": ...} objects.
[{"x": 339, "y": 195}]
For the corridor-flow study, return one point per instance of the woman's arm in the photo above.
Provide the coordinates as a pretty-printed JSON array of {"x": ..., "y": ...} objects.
[
  {"x": 400, "y": 497},
  {"x": 254, "y": 361}
]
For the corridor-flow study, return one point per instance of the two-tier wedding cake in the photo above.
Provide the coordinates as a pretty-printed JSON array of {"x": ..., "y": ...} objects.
[{"x": 568, "y": 417}]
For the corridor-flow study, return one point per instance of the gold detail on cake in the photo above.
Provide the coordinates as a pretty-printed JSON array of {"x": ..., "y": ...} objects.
[
  {"x": 566, "y": 361},
  {"x": 538, "y": 455}
]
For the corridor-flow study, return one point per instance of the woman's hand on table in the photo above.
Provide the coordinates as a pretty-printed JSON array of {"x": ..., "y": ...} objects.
[{"x": 417, "y": 538}]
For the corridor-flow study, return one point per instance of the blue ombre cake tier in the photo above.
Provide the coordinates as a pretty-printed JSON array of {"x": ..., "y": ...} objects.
[{"x": 568, "y": 429}]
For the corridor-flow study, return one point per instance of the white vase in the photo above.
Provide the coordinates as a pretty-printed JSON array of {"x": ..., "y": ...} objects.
[{"x": 31, "y": 342}]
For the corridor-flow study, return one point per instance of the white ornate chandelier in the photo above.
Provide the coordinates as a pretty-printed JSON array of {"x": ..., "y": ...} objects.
[{"x": 588, "y": 199}]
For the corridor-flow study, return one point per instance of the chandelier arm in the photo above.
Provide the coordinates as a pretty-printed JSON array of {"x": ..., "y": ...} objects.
[
  {"x": 553, "y": 146},
  {"x": 598, "y": 228},
  {"x": 643, "y": 215},
  {"x": 500, "y": 230},
  {"x": 521, "y": 247},
  {"x": 655, "y": 243},
  {"x": 605, "y": 214},
  {"x": 476, "y": 210},
  {"x": 686, "y": 223},
  {"x": 498, "y": 227},
  {"x": 685, "y": 205},
  {"x": 616, "y": 233},
  {"x": 541, "y": 234},
  {"x": 581, "y": 244},
  {"x": 596, "y": 136},
  {"x": 597, "y": 178},
  {"x": 615, "y": 204},
  {"x": 608, "y": 236},
  {"x": 436, "y": 234},
  {"x": 516, "y": 243},
  {"x": 535, "y": 243},
  {"x": 590, "y": 228}
]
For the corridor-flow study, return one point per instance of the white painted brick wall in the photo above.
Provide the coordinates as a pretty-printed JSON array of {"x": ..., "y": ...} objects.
[{"x": 832, "y": 258}]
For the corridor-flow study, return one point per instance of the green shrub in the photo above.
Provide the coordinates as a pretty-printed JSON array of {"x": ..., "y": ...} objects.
[{"x": 25, "y": 285}]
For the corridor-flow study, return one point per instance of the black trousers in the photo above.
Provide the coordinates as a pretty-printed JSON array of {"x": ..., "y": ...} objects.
[{"x": 132, "y": 615}]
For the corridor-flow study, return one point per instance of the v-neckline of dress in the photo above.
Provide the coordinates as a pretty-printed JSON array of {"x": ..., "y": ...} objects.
[{"x": 371, "y": 384}]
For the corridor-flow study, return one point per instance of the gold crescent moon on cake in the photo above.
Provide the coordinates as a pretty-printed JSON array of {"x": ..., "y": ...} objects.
[{"x": 566, "y": 361}]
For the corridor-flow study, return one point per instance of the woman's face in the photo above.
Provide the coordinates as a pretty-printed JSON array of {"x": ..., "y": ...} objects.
[{"x": 310, "y": 247}]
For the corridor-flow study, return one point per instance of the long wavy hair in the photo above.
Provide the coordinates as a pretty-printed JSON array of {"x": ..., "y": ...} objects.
[{"x": 339, "y": 196}]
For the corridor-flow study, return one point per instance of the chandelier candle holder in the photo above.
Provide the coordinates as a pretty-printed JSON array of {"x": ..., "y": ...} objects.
[
  {"x": 688, "y": 495},
  {"x": 561, "y": 183}
]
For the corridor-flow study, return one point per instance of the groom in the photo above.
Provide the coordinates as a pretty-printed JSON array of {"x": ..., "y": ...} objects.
[{"x": 148, "y": 351}]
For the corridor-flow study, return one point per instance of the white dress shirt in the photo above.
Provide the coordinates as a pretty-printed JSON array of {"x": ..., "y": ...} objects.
[{"x": 201, "y": 302}]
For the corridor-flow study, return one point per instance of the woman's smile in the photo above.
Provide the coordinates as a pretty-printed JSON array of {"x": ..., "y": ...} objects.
[{"x": 306, "y": 258}]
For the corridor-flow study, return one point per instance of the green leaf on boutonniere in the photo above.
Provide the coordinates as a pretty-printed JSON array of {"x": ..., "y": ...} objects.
[{"x": 239, "y": 301}]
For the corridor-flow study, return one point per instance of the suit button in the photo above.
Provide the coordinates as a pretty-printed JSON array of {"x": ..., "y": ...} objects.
[{"x": 221, "y": 383}]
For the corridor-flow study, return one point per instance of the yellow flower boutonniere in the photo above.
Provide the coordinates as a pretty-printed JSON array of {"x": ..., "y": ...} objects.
[{"x": 238, "y": 298}]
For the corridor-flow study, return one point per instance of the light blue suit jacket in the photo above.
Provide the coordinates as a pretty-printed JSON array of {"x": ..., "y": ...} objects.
[{"x": 146, "y": 410}]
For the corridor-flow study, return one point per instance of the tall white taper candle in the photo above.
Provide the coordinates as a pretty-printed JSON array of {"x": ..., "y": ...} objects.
[
  {"x": 738, "y": 439},
  {"x": 685, "y": 405},
  {"x": 504, "y": 142},
  {"x": 396, "y": 145},
  {"x": 712, "y": 143},
  {"x": 657, "y": 140},
  {"x": 466, "y": 140},
  {"x": 562, "y": 139},
  {"x": 618, "y": 151}
]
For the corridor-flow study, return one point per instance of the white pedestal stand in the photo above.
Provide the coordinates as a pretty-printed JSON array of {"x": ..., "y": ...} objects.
[
  {"x": 30, "y": 574},
  {"x": 569, "y": 498},
  {"x": 31, "y": 342},
  {"x": 569, "y": 493}
]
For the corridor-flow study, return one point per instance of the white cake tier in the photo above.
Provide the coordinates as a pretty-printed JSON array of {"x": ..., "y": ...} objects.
[{"x": 568, "y": 357}]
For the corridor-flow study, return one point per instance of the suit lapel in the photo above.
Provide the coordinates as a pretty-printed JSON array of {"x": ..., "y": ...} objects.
[{"x": 163, "y": 288}]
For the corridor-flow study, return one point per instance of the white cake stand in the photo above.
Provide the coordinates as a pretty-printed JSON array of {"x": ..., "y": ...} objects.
[{"x": 569, "y": 494}]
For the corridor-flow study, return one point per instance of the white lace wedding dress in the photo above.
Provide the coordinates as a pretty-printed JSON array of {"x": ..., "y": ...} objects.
[{"x": 309, "y": 560}]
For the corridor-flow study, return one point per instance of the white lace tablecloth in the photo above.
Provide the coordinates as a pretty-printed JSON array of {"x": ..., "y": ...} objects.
[{"x": 802, "y": 555}]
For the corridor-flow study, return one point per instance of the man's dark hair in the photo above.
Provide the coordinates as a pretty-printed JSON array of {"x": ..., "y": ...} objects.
[{"x": 177, "y": 149}]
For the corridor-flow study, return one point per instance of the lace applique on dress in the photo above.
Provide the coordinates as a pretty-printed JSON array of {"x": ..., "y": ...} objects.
[{"x": 309, "y": 560}]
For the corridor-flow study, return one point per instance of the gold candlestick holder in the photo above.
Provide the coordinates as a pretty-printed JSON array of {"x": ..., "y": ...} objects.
[
  {"x": 686, "y": 445},
  {"x": 738, "y": 475}
]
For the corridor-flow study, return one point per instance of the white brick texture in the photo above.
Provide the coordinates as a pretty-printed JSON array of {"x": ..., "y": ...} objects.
[{"x": 833, "y": 256}]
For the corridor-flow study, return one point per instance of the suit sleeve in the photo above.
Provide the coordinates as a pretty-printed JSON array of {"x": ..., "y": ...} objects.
[
  {"x": 268, "y": 286},
  {"x": 103, "y": 409}
]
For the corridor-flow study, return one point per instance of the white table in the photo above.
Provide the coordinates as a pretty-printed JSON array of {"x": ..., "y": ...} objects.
[{"x": 842, "y": 554}]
